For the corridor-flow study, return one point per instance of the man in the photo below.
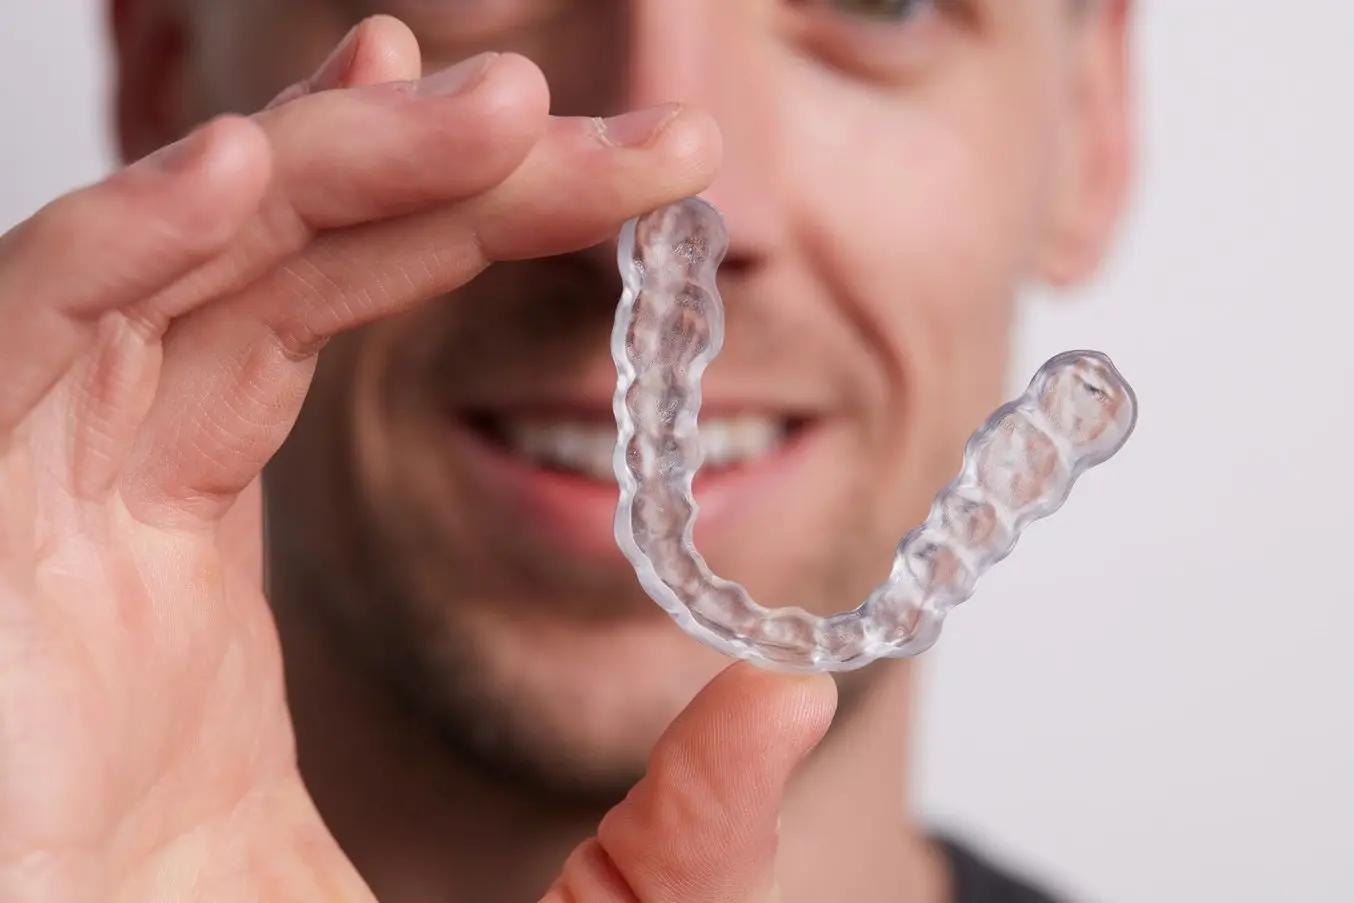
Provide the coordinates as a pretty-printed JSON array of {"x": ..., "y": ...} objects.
[{"x": 485, "y": 705}]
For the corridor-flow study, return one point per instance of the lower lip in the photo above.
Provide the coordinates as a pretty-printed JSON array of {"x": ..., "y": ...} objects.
[{"x": 575, "y": 515}]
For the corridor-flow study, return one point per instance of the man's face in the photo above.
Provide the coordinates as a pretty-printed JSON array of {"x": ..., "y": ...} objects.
[{"x": 894, "y": 172}]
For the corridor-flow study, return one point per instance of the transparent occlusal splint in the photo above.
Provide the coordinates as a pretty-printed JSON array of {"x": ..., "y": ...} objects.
[{"x": 1018, "y": 467}]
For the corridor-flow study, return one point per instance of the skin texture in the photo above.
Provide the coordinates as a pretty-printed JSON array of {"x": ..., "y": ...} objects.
[{"x": 474, "y": 698}]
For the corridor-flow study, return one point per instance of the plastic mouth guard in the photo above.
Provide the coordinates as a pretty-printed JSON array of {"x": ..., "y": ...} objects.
[{"x": 1018, "y": 467}]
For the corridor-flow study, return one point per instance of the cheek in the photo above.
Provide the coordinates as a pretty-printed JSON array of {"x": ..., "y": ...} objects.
[{"x": 921, "y": 216}]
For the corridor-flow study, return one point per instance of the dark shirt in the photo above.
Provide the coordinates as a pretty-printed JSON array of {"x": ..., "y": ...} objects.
[{"x": 976, "y": 879}]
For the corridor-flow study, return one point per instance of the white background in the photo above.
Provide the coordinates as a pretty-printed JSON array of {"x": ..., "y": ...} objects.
[{"x": 1153, "y": 700}]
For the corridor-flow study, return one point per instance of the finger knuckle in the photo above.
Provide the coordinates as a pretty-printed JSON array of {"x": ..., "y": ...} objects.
[{"x": 590, "y": 874}]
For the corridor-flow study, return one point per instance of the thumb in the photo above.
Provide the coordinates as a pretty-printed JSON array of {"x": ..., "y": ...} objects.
[{"x": 701, "y": 824}]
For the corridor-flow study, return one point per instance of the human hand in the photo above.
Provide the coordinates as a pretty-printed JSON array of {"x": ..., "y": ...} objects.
[
  {"x": 158, "y": 332},
  {"x": 701, "y": 824}
]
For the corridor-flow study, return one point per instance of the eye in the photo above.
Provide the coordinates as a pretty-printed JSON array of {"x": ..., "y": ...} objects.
[
  {"x": 888, "y": 11},
  {"x": 882, "y": 40}
]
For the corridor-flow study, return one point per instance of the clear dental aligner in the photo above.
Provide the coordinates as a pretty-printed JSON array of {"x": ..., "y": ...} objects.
[{"x": 1018, "y": 467}]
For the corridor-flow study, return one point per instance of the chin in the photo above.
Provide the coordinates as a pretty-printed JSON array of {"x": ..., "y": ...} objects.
[{"x": 579, "y": 703}]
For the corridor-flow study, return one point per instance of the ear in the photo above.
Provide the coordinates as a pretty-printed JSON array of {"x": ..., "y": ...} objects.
[
  {"x": 1095, "y": 184},
  {"x": 150, "y": 39}
]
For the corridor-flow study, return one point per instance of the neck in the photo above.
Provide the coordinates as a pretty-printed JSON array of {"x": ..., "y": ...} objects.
[{"x": 421, "y": 824}]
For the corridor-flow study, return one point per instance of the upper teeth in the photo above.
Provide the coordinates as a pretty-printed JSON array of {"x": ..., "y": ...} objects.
[
  {"x": 726, "y": 442},
  {"x": 588, "y": 448}
]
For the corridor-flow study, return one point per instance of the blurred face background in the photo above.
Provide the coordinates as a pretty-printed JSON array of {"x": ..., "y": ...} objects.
[
  {"x": 1108, "y": 672},
  {"x": 894, "y": 173}
]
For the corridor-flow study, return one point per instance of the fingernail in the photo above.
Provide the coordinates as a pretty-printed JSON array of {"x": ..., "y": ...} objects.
[
  {"x": 637, "y": 128},
  {"x": 459, "y": 78},
  {"x": 332, "y": 70},
  {"x": 176, "y": 157}
]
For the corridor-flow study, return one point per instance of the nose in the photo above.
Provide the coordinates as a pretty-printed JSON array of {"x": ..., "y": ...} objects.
[{"x": 719, "y": 55}]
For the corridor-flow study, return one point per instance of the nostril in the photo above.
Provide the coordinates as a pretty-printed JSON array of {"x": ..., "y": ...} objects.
[{"x": 740, "y": 263}]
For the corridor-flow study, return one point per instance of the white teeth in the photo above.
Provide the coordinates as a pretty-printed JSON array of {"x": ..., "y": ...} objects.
[
  {"x": 580, "y": 447},
  {"x": 587, "y": 448},
  {"x": 727, "y": 442}
]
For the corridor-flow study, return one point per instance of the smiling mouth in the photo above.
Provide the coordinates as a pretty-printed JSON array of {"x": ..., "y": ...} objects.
[
  {"x": 545, "y": 472},
  {"x": 585, "y": 447}
]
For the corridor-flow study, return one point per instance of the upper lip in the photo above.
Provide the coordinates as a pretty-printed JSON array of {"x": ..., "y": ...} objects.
[
  {"x": 596, "y": 411},
  {"x": 541, "y": 401}
]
